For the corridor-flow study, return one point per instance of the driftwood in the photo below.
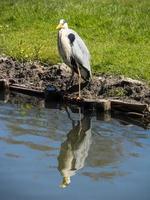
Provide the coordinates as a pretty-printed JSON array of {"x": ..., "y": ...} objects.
[{"x": 136, "y": 110}]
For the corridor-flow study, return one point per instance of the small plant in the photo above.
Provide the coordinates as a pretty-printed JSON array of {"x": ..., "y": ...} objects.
[{"x": 116, "y": 92}]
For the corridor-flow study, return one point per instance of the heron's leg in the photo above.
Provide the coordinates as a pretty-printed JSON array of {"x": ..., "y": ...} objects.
[{"x": 79, "y": 73}]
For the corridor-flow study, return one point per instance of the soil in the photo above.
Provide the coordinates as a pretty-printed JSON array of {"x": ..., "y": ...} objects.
[{"x": 38, "y": 75}]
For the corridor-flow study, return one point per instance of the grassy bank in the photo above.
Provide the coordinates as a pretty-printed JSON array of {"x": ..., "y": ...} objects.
[{"x": 117, "y": 32}]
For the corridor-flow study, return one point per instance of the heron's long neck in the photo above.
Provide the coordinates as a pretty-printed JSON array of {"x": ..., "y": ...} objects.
[{"x": 65, "y": 26}]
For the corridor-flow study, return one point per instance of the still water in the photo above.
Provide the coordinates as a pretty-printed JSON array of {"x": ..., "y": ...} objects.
[{"x": 57, "y": 152}]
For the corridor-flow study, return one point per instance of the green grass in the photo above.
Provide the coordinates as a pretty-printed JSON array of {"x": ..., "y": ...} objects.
[{"x": 117, "y": 32}]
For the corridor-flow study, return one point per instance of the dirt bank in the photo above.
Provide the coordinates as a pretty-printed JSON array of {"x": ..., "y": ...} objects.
[{"x": 40, "y": 75}]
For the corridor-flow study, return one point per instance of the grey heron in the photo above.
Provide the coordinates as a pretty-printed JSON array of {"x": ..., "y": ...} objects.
[
  {"x": 74, "y": 150},
  {"x": 74, "y": 52}
]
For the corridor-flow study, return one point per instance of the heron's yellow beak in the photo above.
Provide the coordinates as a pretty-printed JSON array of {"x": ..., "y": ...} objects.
[{"x": 59, "y": 26}]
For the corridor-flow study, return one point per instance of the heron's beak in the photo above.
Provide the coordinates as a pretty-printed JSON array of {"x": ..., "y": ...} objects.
[{"x": 59, "y": 26}]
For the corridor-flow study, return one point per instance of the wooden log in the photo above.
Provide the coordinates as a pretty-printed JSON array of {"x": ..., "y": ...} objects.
[
  {"x": 100, "y": 104},
  {"x": 103, "y": 105},
  {"x": 4, "y": 84},
  {"x": 89, "y": 103},
  {"x": 129, "y": 107},
  {"x": 135, "y": 114},
  {"x": 4, "y": 96},
  {"x": 103, "y": 116},
  {"x": 126, "y": 119},
  {"x": 25, "y": 90},
  {"x": 47, "y": 93}
]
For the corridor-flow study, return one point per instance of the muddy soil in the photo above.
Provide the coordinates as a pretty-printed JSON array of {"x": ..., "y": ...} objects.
[{"x": 38, "y": 75}]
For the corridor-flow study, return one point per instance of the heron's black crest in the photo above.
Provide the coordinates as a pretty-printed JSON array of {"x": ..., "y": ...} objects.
[
  {"x": 71, "y": 37},
  {"x": 62, "y": 21}
]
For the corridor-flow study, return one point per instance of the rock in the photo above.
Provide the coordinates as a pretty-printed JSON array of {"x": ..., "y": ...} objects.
[{"x": 130, "y": 81}]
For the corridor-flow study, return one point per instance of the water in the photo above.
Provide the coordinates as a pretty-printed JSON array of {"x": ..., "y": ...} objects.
[{"x": 59, "y": 153}]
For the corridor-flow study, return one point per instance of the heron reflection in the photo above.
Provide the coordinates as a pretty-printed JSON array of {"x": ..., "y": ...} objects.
[{"x": 74, "y": 150}]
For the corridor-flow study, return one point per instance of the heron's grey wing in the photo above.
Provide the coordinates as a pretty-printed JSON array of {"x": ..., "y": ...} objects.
[{"x": 80, "y": 53}]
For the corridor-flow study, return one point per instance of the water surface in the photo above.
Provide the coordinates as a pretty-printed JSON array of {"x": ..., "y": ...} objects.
[{"x": 55, "y": 152}]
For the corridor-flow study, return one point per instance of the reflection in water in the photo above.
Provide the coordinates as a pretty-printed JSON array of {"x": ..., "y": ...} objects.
[
  {"x": 104, "y": 175},
  {"x": 4, "y": 96},
  {"x": 30, "y": 132},
  {"x": 74, "y": 150},
  {"x": 28, "y": 144}
]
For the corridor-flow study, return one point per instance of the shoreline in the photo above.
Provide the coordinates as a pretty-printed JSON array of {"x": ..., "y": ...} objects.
[{"x": 38, "y": 78}]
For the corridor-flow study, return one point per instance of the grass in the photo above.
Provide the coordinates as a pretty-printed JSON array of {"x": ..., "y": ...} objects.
[
  {"x": 117, "y": 32},
  {"x": 117, "y": 92}
]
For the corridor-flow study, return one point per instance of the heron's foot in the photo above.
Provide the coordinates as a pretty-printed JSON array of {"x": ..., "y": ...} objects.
[{"x": 78, "y": 98}]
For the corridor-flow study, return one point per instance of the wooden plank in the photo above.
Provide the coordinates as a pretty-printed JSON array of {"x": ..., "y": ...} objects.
[
  {"x": 129, "y": 107},
  {"x": 100, "y": 104},
  {"x": 25, "y": 90},
  {"x": 135, "y": 114},
  {"x": 126, "y": 118},
  {"x": 4, "y": 84},
  {"x": 103, "y": 105}
]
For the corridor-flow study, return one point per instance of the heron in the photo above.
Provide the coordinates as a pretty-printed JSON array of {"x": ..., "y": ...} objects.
[{"x": 74, "y": 53}]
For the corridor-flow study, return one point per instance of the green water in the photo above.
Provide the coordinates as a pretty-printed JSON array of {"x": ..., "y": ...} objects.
[{"x": 52, "y": 151}]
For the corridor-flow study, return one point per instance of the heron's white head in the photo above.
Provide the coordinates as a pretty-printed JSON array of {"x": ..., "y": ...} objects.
[
  {"x": 62, "y": 24},
  {"x": 65, "y": 182}
]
